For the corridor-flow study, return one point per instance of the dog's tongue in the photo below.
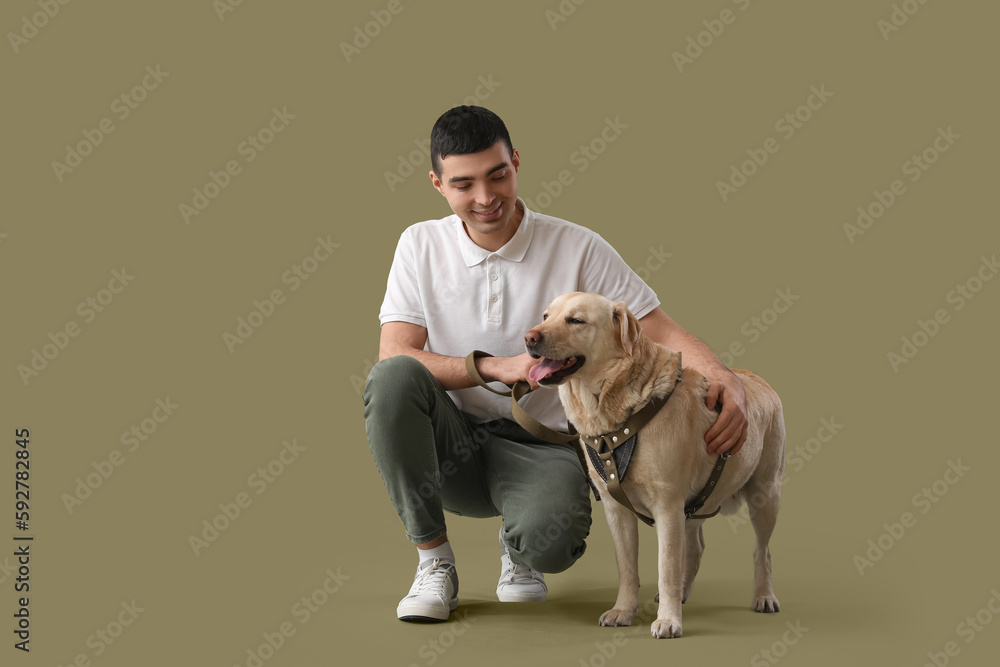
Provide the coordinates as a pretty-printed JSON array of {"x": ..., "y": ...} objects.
[{"x": 545, "y": 367}]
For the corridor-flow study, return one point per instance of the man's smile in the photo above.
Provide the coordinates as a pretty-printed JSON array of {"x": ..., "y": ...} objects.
[{"x": 491, "y": 214}]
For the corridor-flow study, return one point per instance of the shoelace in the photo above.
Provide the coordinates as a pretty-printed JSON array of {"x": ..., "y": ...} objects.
[
  {"x": 432, "y": 579},
  {"x": 517, "y": 574},
  {"x": 521, "y": 574}
]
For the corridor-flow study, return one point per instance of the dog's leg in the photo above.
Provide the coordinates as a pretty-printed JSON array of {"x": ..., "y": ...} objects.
[
  {"x": 694, "y": 548},
  {"x": 670, "y": 536},
  {"x": 764, "y": 501},
  {"x": 625, "y": 534}
]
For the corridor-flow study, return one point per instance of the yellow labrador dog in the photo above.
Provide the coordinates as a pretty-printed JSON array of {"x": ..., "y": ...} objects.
[{"x": 606, "y": 369}]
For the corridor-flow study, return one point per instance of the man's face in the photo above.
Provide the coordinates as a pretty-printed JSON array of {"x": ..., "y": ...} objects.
[{"x": 481, "y": 189}]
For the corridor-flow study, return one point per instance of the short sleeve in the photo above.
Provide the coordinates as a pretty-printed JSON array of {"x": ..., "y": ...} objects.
[
  {"x": 605, "y": 272},
  {"x": 402, "y": 301}
]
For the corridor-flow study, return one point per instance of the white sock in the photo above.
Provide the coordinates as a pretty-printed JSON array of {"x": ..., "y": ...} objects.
[{"x": 442, "y": 551}]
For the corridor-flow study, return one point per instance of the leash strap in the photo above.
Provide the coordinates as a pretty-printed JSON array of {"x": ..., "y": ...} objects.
[
  {"x": 526, "y": 421},
  {"x": 517, "y": 392}
]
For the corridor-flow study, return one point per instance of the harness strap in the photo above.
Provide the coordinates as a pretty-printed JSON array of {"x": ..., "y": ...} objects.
[
  {"x": 615, "y": 487},
  {"x": 699, "y": 501},
  {"x": 628, "y": 435},
  {"x": 622, "y": 456}
]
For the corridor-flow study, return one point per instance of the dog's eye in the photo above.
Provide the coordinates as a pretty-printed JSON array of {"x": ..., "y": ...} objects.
[
  {"x": 545, "y": 316},
  {"x": 573, "y": 320}
]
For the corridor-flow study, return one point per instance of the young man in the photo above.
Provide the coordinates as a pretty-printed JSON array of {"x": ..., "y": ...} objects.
[{"x": 479, "y": 279}]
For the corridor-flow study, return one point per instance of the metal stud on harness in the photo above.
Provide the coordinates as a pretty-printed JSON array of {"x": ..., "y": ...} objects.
[{"x": 613, "y": 451}]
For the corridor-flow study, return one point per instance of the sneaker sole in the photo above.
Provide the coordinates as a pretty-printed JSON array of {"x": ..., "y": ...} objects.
[
  {"x": 522, "y": 597},
  {"x": 433, "y": 616}
]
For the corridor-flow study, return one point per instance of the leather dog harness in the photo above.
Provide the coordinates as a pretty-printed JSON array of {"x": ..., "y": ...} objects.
[{"x": 613, "y": 451}]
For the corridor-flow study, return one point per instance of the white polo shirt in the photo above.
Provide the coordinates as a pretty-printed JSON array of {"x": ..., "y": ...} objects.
[{"x": 470, "y": 299}]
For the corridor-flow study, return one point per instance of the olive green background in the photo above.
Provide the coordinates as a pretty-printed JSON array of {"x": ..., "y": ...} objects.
[{"x": 650, "y": 192}]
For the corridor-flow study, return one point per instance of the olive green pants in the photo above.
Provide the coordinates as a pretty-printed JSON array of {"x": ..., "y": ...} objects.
[{"x": 433, "y": 459}]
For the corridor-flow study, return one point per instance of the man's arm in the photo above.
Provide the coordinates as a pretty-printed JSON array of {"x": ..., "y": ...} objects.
[
  {"x": 730, "y": 429},
  {"x": 409, "y": 339}
]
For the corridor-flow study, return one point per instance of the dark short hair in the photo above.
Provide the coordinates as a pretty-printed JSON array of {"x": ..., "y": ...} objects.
[{"x": 464, "y": 130}]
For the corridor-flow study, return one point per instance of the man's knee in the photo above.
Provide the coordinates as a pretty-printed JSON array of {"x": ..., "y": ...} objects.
[
  {"x": 551, "y": 540},
  {"x": 397, "y": 375}
]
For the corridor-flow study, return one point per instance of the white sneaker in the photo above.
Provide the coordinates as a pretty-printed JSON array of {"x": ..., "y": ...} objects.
[
  {"x": 433, "y": 595},
  {"x": 518, "y": 583}
]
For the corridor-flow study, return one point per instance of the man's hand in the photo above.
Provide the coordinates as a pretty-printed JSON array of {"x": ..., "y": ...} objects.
[
  {"x": 730, "y": 429},
  {"x": 507, "y": 369}
]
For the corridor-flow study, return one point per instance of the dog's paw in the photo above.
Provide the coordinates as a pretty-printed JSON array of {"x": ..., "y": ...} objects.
[
  {"x": 615, "y": 617},
  {"x": 666, "y": 629},
  {"x": 766, "y": 604}
]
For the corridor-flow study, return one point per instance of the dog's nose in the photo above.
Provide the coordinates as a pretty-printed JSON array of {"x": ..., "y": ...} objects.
[{"x": 532, "y": 338}]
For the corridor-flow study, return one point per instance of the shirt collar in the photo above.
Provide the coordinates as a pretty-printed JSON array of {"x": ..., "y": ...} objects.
[{"x": 514, "y": 250}]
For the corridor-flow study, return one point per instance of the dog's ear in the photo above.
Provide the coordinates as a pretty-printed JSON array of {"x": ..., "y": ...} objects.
[{"x": 628, "y": 327}]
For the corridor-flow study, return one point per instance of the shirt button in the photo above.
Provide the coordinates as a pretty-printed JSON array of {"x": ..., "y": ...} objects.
[
  {"x": 494, "y": 299},
  {"x": 495, "y": 277}
]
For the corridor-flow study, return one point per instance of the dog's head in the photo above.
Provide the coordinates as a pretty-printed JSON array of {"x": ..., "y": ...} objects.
[{"x": 580, "y": 331}]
